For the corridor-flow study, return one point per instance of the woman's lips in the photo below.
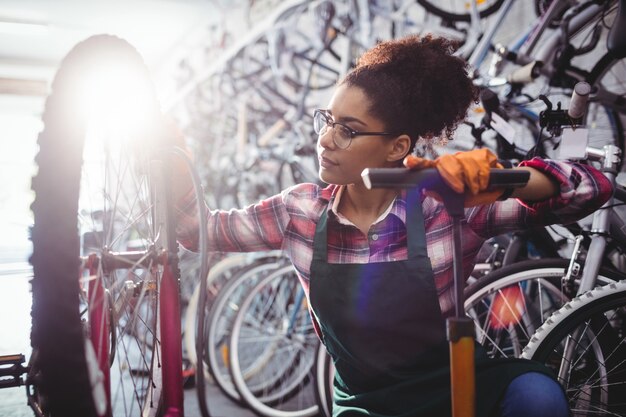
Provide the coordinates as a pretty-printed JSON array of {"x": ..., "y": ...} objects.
[{"x": 326, "y": 163}]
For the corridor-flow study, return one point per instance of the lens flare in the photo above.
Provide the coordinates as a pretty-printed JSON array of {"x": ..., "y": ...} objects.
[
  {"x": 122, "y": 94},
  {"x": 507, "y": 308},
  {"x": 117, "y": 101}
]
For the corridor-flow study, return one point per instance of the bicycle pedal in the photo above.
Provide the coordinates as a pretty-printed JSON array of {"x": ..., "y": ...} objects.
[{"x": 11, "y": 370}]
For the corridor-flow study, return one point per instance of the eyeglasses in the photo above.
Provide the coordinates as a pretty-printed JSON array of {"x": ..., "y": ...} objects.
[{"x": 342, "y": 135}]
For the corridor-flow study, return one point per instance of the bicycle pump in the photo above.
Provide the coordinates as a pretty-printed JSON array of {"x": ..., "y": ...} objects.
[{"x": 459, "y": 328}]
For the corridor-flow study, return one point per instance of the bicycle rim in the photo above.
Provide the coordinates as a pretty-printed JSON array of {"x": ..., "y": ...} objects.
[
  {"x": 221, "y": 317},
  {"x": 324, "y": 375},
  {"x": 272, "y": 348},
  {"x": 510, "y": 304},
  {"x": 217, "y": 277},
  {"x": 592, "y": 329}
]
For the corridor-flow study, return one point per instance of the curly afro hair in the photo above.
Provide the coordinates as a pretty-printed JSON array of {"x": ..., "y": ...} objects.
[{"x": 415, "y": 86}]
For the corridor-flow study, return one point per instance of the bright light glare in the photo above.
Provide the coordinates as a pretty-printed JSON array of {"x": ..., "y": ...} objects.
[
  {"x": 118, "y": 101},
  {"x": 118, "y": 104}
]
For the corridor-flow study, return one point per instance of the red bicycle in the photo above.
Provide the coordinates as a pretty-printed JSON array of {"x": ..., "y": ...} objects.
[{"x": 106, "y": 329}]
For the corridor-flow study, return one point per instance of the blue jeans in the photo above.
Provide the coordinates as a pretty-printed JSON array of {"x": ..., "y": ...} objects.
[{"x": 534, "y": 394}]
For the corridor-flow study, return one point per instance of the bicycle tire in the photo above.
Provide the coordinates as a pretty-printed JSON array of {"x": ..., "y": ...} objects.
[
  {"x": 507, "y": 309},
  {"x": 288, "y": 374},
  {"x": 594, "y": 321},
  {"x": 65, "y": 372},
  {"x": 56, "y": 263},
  {"x": 289, "y": 379},
  {"x": 220, "y": 318},
  {"x": 218, "y": 276},
  {"x": 603, "y": 77},
  {"x": 324, "y": 375},
  {"x": 453, "y": 16}
]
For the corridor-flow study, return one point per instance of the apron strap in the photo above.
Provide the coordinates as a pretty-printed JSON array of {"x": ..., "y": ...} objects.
[
  {"x": 320, "y": 244},
  {"x": 416, "y": 232}
]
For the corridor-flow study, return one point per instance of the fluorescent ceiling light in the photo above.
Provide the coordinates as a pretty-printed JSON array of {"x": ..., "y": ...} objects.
[{"x": 23, "y": 28}]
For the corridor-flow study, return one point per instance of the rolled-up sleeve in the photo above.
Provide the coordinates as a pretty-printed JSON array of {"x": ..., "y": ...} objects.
[
  {"x": 257, "y": 227},
  {"x": 582, "y": 189}
]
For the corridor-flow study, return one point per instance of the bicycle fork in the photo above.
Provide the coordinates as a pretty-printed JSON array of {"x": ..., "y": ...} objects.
[
  {"x": 609, "y": 156},
  {"x": 171, "y": 347},
  {"x": 168, "y": 321}
]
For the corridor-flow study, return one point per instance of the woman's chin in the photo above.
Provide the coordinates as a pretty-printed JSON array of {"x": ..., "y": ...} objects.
[{"x": 325, "y": 176}]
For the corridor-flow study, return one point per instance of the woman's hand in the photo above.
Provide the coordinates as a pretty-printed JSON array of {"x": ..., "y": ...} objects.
[
  {"x": 182, "y": 185},
  {"x": 464, "y": 172},
  {"x": 469, "y": 172}
]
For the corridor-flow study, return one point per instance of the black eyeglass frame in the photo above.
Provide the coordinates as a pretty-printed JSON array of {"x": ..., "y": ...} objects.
[{"x": 353, "y": 133}]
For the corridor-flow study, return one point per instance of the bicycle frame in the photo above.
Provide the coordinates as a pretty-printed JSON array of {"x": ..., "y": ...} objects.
[
  {"x": 610, "y": 159},
  {"x": 478, "y": 54},
  {"x": 171, "y": 346},
  {"x": 525, "y": 52}
]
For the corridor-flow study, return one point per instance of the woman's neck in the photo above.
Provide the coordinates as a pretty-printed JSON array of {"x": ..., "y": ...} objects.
[{"x": 362, "y": 206}]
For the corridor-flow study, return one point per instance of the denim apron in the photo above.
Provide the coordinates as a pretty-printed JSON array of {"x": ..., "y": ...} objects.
[{"x": 382, "y": 325}]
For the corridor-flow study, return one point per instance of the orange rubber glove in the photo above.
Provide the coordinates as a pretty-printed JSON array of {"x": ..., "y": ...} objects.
[{"x": 466, "y": 172}]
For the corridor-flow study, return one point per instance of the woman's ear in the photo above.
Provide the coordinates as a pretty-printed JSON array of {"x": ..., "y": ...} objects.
[{"x": 400, "y": 148}]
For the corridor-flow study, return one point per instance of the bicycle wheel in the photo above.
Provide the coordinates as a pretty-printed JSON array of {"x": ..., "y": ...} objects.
[
  {"x": 221, "y": 316},
  {"x": 511, "y": 303},
  {"x": 324, "y": 375},
  {"x": 96, "y": 332},
  {"x": 585, "y": 344},
  {"x": 609, "y": 91},
  {"x": 459, "y": 11},
  {"x": 608, "y": 76},
  {"x": 272, "y": 348},
  {"x": 218, "y": 276}
]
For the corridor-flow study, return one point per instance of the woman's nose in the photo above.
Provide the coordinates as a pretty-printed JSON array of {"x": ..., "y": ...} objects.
[{"x": 325, "y": 139}]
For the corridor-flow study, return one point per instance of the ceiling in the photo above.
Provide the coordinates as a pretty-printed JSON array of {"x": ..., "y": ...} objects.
[{"x": 36, "y": 34}]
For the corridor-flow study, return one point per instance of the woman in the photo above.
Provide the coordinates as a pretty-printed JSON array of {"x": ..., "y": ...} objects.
[{"x": 376, "y": 264}]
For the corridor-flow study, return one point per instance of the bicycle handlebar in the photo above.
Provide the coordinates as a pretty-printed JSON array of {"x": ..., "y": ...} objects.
[
  {"x": 578, "y": 103},
  {"x": 431, "y": 179}
]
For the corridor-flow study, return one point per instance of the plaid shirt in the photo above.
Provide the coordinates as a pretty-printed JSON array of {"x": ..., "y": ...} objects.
[{"x": 287, "y": 221}]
